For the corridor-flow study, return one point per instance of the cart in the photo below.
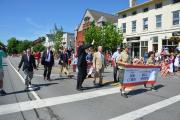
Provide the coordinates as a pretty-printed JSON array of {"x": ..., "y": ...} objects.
[{"x": 135, "y": 75}]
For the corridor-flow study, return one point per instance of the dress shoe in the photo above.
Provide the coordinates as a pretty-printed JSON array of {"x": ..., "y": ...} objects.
[
  {"x": 89, "y": 76},
  {"x": 124, "y": 95},
  {"x": 79, "y": 89},
  {"x": 2, "y": 93}
]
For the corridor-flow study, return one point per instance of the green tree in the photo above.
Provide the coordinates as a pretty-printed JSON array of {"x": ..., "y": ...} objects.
[
  {"x": 58, "y": 36},
  {"x": 23, "y": 45},
  {"x": 38, "y": 47},
  {"x": 111, "y": 36},
  {"x": 12, "y": 46},
  {"x": 93, "y": 32},
  {"x": 106, "y": 35}
]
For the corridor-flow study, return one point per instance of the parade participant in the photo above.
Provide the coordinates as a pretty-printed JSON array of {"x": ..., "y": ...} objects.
[
  {"x": 145, "y": 56},
  {"x": 171, "y": 63},
  {"x": 63, "y": 62},
  {"x": 37, "y": 56},
  {"x": 82, "y": 64},
  {"x": 89, "y": 59},
  {"x": 123, "y": 60},
  {"x": 150, "y": 61},
  {"x": 98, "y": 65},
  {"x": 2, "y": 54},
  {"x": 115, "y": 67},
  {"x": 107, "y": 57},
  {"x": 177, "y": 63},
  {"x": 48, "y": 61},
  {"x": 165, "y": 68},
  {"x": 29, "y": 64}
]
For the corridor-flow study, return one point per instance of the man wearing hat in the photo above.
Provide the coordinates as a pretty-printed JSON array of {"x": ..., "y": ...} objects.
[
  {"x": 115, "y": 67},
  {"x": 123, "y": 60}
]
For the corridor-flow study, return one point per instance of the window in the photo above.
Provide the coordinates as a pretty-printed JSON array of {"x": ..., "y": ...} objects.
[
  {"x": 158, "y": 5},
  {"x": 176, "y": 17},
  {"x": 124, "y": 27},
  {"x": 134, "y": 26},
  {"x": 144, "y": 47},
  {"x": 176, "y": 1},
  {"x": 124, "y": 16},
  {"x": 144, "y": 43},
  {"x": 134, "y": 13},
  {"x": 145, "y": 24},
  {"x": 155, "y": 40},
  {"x": 158, "y": 21},
  {"x": 145, "y": 9}
]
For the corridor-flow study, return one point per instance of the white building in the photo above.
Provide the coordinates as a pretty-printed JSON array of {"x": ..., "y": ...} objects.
[
  {"x": 150, "y": 25},
  {"x": 68, "y": 40},
  {"x": 49, "y": 40}
]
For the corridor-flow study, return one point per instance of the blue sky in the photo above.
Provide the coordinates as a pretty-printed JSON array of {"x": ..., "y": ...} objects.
[{"x": 30, "y": 19}]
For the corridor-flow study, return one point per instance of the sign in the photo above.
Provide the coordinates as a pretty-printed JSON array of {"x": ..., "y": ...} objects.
[
  {"x": 133, "y": 38},
  {"x": 139, "y": 75}
]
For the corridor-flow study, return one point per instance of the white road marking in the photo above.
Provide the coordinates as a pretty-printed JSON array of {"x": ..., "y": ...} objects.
[
  {"x": 29, "y": 105},
  {"x": 32, "y": 92},
  {"x": 148, "y": 109}
]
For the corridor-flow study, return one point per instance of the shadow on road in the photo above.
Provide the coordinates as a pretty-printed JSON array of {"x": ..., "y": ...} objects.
[
  {"x": 143, "y": 90},
  {"x": 35, "y": 87},
  {"x": 98, "y": 86},
  {"x": 64, "y": 78}
]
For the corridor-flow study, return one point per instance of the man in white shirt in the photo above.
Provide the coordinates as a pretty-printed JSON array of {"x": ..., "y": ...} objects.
[{"x": 115, "y": 68}]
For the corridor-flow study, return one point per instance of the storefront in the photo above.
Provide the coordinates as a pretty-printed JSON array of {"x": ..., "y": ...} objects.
[
  {"x": 134, "y": 44},
  {"x": 172, "y": 43}
]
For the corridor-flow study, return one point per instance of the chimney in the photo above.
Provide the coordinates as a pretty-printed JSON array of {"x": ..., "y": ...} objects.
[{"x": 132, "y": 3}]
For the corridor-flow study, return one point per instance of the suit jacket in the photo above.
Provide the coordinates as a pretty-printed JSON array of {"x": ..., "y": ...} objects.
[
  {"x": 43, "y": 59},
  {"x": 82, "y": 55},
  {"x": 98, "y": 61},
  {"x": 27, "y": 64},
  {"x": 63, "y": 58}
]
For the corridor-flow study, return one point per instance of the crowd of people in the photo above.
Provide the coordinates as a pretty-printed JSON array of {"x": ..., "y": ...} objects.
[{"x": 90, "y": 64}]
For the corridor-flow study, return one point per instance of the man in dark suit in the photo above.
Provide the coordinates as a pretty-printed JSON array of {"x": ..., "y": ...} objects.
[
  {"x": 48, "y": 61},
  {"x": 29, "y": 65},
  {"x": 82, "y": 64}
]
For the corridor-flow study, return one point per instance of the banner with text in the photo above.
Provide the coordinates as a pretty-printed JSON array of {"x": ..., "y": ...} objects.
[{"x": 140, "y": 75}]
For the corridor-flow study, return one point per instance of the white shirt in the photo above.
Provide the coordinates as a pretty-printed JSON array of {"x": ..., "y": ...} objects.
[
  {"x": 49, "y": 56},
  {"x": 28, "y": 57},
  {"x": 115, "y": 55},
  {"x": 101, "y": 56}
]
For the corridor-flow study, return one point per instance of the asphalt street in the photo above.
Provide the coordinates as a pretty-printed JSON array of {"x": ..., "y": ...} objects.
[{"x": 59, "y": 100}]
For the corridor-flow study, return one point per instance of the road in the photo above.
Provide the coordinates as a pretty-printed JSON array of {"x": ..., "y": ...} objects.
[{"x": 59, "y": 100}]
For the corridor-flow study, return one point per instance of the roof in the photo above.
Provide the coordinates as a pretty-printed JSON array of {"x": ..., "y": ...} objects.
[
  {"x": 97, "y": 15},
  {"x": 137, "y": 6}
]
